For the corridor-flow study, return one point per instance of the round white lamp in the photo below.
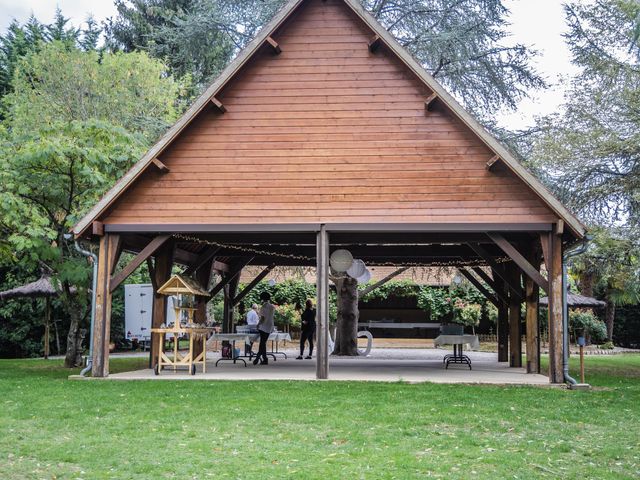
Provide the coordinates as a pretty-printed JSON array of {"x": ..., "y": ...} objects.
[
  {"x": 356, "y": 269},
  {"x": 341, "y": 260},
  {"x": 365, "y": 277}
]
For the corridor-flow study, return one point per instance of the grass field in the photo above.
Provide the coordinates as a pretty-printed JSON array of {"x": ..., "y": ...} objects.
[{"x": 55, "y": 428}]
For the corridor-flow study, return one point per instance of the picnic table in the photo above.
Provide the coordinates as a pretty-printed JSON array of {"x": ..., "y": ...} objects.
[
  {"x": 274, "y": 337},
  {"x": 457, "y": 341}
]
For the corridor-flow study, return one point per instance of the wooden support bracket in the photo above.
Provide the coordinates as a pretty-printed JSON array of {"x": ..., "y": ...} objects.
[
  {"x": 499, "y": 269},
  {"x": 476, "y": 283},
  {"x": 253, "y": 283},
  {"x": 218, "y": 104},
  {"x": 203, "y": 258},
  {"x": 491, "y": 162},
  {"x": 274, "y": 45},
  {"x": 161, "y": 166},
  {"x": 429, "y": 102},
  {"x": 519, "y": 260},
  {"x": 146, "y": 252},
  {"x": 234, "y": 271},
  {"x": 375, "y": 43}
]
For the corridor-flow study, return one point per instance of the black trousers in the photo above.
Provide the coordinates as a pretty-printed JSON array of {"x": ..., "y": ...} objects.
[
  {"x": 262, "y": 349},
  {"x": 307, "y": 336}
]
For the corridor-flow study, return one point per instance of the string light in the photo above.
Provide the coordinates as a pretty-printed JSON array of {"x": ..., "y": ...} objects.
[{"x": 450, "y": 263}]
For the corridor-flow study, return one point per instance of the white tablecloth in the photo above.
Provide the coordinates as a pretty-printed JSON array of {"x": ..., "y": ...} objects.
[
  {"x": 249, "y": 337},
  {"x": 471, "y": 340}
]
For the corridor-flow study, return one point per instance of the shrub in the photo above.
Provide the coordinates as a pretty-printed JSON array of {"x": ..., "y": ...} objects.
[{"x": 585, "y": 322}]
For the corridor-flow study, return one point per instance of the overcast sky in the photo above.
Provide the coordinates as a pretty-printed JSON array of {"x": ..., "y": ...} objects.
[{"x": 536, "y": 23}]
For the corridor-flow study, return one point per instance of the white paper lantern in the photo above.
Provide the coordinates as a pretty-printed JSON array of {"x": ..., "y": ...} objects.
[
  {"x": 341, "y": 260},
  {"x": 365, "y": 277},
  {"x": 356, "y": 269}
]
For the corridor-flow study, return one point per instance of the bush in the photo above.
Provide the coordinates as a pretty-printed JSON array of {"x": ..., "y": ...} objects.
[
  {"x": 586, "y": 323},
  {"x": 287, "y": 314},
  {"x": 467, "y": 314}
]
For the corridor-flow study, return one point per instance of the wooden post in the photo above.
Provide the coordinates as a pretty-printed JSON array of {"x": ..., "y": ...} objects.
[
  {"x": 47, "y": 323},
  {"x": 160, "y": 274},
  {"x": 555, "y": 309},
  {"x": 322, "y": 308},
  {"x": 515, "y": 329},
  {"x": 203, "y": 275},
  {"x": 230, "y": 290},
  {"x": 532, "y": 293},
  {"x": 102, "y": 321},
  {"x": 502, "y": 325}
]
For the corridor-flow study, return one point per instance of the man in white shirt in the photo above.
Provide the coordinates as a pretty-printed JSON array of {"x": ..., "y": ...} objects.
[
  {"x": 252, "y": 322},
  {"x": 265, "y": 326},
  {"x": 253, "y": 318}
]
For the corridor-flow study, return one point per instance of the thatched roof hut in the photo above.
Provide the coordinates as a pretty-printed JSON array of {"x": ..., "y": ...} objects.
[{"x": 578, "y": 301}]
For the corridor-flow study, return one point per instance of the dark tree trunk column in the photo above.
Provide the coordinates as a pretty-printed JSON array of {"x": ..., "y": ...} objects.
[
  {"x": 161, "y": 273},
  {"x": 515, "y": 328},
  {"x": 348, "y": 314},
  {"x": 502, "y": 325},
  {"x": 203, "y": 275},
  {"x": 230, "y": 291}
]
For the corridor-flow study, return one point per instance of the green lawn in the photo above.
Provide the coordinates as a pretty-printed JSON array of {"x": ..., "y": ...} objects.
[{"x": 55, "y": 428}]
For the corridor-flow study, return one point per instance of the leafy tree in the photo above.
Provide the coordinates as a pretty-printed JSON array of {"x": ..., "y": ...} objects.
[
  {"x": 611, "y": 269},
  {"x": 75, "y": 123},
  {"x": 61, "y": 83},
  {"x": 591, "y": 151},
  {"x": 459, "y": 42}
]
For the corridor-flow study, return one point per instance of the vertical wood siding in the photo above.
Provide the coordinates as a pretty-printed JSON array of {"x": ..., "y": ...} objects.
[{"x": 326, "y": 131}]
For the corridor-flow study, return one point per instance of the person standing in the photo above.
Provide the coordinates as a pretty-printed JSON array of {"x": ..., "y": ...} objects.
[
  {"x": 308, "y": 330},
  {"x": 252, "y": 322},
  {"x": 265, "y": 326}
]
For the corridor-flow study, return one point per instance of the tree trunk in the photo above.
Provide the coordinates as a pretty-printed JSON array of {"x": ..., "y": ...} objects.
[
  {"x": 610, "y": 314},
  {"x": 586, "y": 284},
  {"x": 347, "y": 322},
  {"x": 74, "y": 338}
]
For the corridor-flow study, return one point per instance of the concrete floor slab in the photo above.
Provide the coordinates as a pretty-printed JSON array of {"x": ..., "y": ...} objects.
[{"x": 383, "y": 365}]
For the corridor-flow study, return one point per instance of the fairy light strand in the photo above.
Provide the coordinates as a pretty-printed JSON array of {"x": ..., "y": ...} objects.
[{"x": 451, "y": 263}]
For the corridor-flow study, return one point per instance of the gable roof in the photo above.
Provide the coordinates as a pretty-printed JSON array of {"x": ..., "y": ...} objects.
[{"x": 393, "y": 46}]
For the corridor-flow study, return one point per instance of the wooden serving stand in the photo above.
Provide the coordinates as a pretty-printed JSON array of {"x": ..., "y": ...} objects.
[
  {"x": 186, "y": 289},
  {"x": 179, "y": 359}
]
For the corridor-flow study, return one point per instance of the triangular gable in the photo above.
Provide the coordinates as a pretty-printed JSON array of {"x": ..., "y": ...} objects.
[
  {"x": 181, "y": 284},
  {"x": 402, "y": 55}
]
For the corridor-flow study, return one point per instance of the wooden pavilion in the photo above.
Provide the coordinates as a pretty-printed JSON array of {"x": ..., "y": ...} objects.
[{"x": 325, "y": 133}]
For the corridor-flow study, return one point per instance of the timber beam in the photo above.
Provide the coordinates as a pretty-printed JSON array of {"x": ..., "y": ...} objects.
[
  {"x": 481, "y": 288},
  {"x": 499, "y": 270},
  {"x": 97, "y": 228},
  {"x": 146, "y": 252},
  {"x": 491, "y": 162},
  {"x": 429, "y": 103},
  {"x": 375, "y": 43},
  {"x": 491, "y": 283},
  {"x": 234, "y": 271},
  {"x": 238, "y": 298},
  {"x": 275, "y": 47},
  {"x": 161, "y": 166},
  {"x": 203, "y": 258},
  {"x": 218, "y": 104},
  {"x": 519, "y": 259}
]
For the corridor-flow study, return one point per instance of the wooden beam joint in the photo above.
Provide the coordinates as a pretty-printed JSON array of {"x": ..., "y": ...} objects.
[
  {"x": 519, "y": 259},
  {"x": 429, "y": 103},
  {"x": 161, "y": 166},
  {"x": 275, "y": 47},
  {"x": 375, "y": 43},
  {"x": 97, "y": 228},
  {"x": 491, "y": 162},
  {"x": 218, "y": 104}
]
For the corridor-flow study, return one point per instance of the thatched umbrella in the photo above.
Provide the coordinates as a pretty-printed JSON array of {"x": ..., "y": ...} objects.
[
  {"x": 578, "y": 301},
  {"x": 43, "y": 287}
]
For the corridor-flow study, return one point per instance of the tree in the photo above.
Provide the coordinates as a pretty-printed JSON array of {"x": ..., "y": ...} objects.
[
  {"x": 591, "y": 151},
  {"x": 459, "y": 42},
  {"x": 611, "y": 269},
  {"x": 75, "y": 123},
  {"x": 62, "y": 83},
  {"x": 194, "y": 37}
]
